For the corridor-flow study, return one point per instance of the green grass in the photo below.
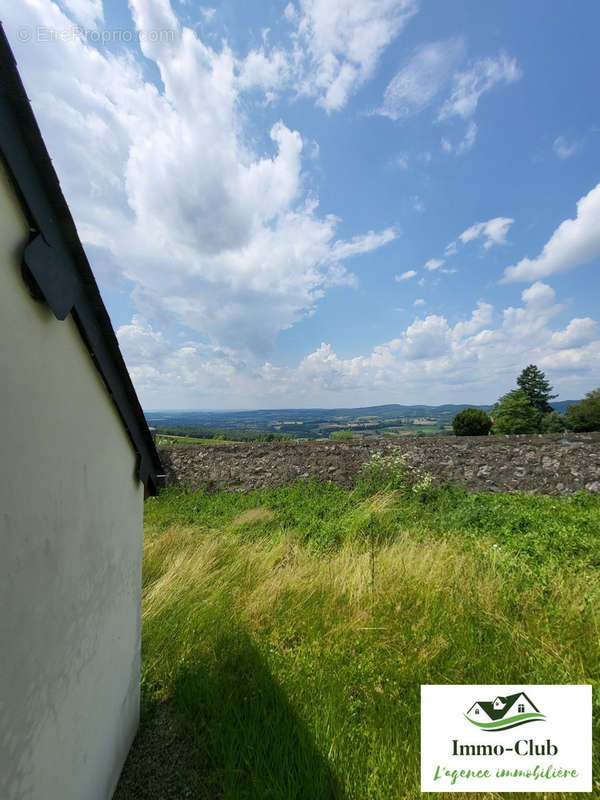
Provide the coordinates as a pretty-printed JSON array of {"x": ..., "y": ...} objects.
[
  {"x": 167, "y": 439},
  {"x": 290, "y": 629}
]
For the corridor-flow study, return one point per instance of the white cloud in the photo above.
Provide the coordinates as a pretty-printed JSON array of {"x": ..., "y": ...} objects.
[
  {"x": 411, "y": 273},
  {"x": 290, "y": 12},
  {"x": 575, "y": 241},
  {"x": 344, "y": 40},
  {"x": 168, "y": 190},
  {"x": 416, "y": 85},
  {"x": 419, "y": 302},
  {"x": 361, "y": 244},
  {"x": 493, "y": 231},
  {"x": 563, "y": 148},
  {"x": 481, "y": 316},
  {"x": 532, "y": 318},
  {"x": 418, "y": 204},
  {"x": 425, "y": 360},
  {"x": 265, "y": 71},
  {"x": 465, "y": 144},
  {"x": 480, "y": 77},
  {"x": 85, "y": 12},
  {"x": 579, "y": 331},
  {"x": 139, "y": 342},
  {"x": 208, "y": 13}
]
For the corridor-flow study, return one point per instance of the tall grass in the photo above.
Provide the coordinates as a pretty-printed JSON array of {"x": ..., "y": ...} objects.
[{"x": 291, "y": 629}]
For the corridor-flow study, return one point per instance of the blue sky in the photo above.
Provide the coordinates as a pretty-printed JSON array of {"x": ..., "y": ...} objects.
[{"x": 329, "y": 202}]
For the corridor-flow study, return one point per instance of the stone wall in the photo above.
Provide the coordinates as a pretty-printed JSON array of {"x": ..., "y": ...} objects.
[{"x": 545, "y": 464}]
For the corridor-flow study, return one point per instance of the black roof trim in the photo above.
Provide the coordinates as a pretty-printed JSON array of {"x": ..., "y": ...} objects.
[{"x": 54, "y": 262}]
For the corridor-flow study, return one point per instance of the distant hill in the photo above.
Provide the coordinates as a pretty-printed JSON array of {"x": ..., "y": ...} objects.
[{"x": 386, "y": 420}]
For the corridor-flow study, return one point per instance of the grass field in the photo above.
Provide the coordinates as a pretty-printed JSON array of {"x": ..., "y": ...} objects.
[
  {"x": 289, "y": 630},
  {"x": 166, "y": 439}
]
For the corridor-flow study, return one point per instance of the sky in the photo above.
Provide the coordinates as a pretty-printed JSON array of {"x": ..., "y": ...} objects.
[{"x": 329, "y": 202}]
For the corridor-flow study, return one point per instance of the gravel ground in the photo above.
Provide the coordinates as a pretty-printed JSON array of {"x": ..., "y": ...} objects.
[{"x": 162, "y": 764}]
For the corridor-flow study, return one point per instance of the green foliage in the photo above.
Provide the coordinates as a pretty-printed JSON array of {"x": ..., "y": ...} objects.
[
  {"x": 515, "y": 414},
  {"x": 338, "y": 436},
  {"x": 291, "y": 629},
  {"x": 533, "y": 382},
  {"x": 392, "y": 472},
  {"x": 553, "y": 423},
  {"x": 194, "y": 433},
  {"x": 471, "y": 422},
  {"x": 585, "y": 415}
]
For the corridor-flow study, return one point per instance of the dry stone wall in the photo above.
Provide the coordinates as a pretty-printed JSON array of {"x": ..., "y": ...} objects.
[{"x": 544, "y": 464}]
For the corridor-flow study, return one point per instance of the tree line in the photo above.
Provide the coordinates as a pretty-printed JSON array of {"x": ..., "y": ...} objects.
[
  {"x": 527, "y": 409},
  {"x": 228, "y": 435}
]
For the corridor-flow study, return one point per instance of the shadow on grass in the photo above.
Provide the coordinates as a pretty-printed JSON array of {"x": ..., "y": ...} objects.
[
  {"x": 250, "y": 738},
  {"x": 228, "y": 731}
]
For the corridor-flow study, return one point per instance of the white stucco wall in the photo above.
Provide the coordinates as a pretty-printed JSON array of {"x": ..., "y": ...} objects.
[{"x": 70, "y": 553}]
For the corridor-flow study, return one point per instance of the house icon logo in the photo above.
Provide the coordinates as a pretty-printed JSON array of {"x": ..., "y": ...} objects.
[{"x": 503, "y": 712}]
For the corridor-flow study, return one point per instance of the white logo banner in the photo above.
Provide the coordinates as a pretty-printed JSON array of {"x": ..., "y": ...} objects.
[{"x": 517, "y": 738}]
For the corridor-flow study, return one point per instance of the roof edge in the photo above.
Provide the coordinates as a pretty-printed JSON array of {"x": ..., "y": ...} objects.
[{"x": 55, "y": 264}]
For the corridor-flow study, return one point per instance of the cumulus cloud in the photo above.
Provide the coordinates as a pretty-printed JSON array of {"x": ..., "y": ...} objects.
[
  {"x": 575, "y": 241},
  {"x": 481, "y": 316},
  {"x": 428, "y": 355},
  {"x": 579, "y": 331},
  {"x": 344, "y": 40},
  {"x": 434, "y": 263},
  {"x": 419, "y": 81},
  {"x": 430, "y": 350},
  {"x": 419, "y": 302},
  {"x": 170, "y": 192},
  {"x": 411, "y": 273}
]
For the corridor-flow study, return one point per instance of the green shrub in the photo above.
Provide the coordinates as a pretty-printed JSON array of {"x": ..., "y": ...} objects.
[
  {"x": 338, "y": 436},
  {"x": 471, "y": 422}
]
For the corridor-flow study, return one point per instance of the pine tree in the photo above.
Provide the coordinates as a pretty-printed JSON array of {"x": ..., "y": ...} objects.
[{"x": 533, "y": 382}]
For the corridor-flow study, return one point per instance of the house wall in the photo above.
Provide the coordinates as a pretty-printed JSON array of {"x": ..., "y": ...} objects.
[{"x": 70, "y": 553}]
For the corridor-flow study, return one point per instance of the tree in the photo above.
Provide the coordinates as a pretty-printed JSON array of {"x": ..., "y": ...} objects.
[
  {"x": 513, "y": 413},
  {"x": 471, "y": 422},
  {"x": 533, "y": 382},
  {"x": 553, "y": 423},
  {"x": 585, "y": 415}
]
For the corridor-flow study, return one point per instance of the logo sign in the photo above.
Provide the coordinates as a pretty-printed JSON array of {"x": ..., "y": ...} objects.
[{"x": 506, "y": 738}]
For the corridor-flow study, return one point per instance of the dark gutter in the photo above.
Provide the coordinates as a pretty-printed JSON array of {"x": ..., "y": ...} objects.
[{"x": 55, "y": 266}]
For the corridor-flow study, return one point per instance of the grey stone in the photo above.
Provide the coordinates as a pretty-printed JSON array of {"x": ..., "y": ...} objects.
[{"x": 549, "y": 463}]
